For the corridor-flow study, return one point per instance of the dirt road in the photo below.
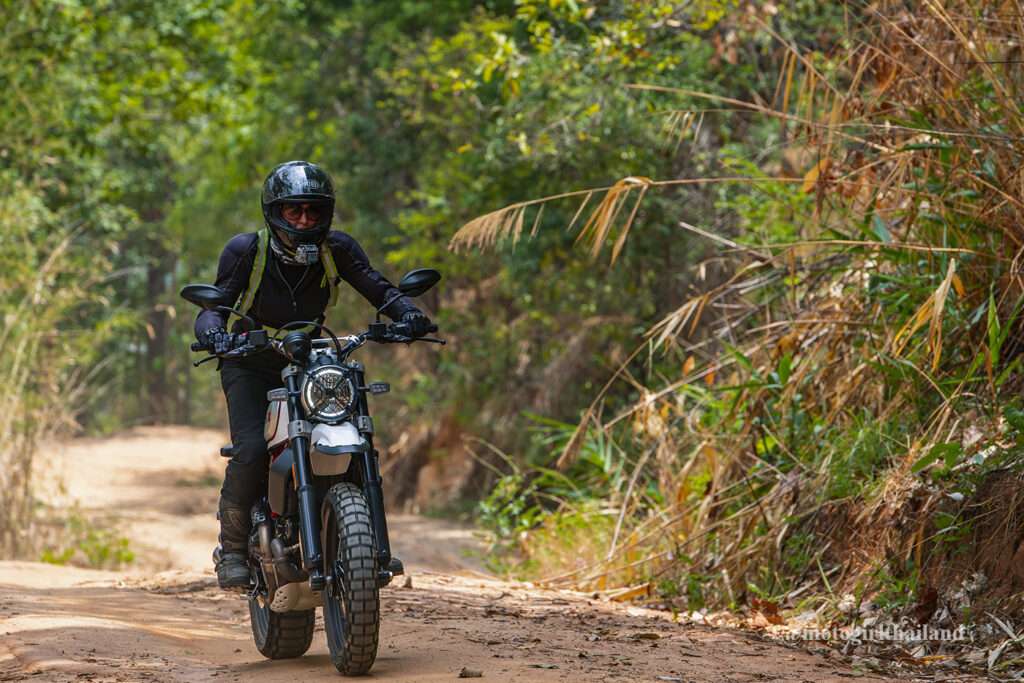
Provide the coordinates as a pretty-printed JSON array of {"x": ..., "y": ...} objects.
[{"x": 165, "y": 621}]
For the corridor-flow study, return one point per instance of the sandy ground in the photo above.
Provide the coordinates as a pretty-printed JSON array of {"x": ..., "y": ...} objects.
[{"x": 165, "y": 621}]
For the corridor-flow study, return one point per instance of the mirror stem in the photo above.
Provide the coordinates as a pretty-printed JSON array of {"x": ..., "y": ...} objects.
[
  {"x": 387, "y": 303},
  {"x": 243, "y": 316}
]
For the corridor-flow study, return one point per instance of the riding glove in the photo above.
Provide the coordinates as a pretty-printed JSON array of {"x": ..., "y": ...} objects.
[
  {"x": 220, "y": 340},
  {"x": 419, "y": 324}
]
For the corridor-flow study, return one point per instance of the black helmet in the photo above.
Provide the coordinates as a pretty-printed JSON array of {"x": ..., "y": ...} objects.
[{"x": 297, "y": 182}]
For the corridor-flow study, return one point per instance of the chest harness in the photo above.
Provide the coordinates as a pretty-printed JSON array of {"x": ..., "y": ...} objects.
[{"x": 331, "y": 279}]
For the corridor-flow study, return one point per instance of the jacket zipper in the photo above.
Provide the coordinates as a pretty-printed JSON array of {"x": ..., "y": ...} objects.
[{"x": 291, "y": 290}]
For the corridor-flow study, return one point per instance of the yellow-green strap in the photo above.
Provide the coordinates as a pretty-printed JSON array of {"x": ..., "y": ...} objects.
[
  {"x": 255, "y": 275},
  {"x": 259, "y": 265},
  {"x": 330, "y": 273}
]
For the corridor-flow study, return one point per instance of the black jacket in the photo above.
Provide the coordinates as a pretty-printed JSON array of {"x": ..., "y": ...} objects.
[{"x": 288, "y": 292}]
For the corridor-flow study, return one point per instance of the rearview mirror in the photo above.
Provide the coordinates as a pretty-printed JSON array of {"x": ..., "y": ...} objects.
[
  {"x": 207, "y": 297},
  {"x": 418, "y": 281}
]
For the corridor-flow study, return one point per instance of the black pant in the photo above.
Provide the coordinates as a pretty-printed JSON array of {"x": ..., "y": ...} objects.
[{"x": 246, "y": 383}]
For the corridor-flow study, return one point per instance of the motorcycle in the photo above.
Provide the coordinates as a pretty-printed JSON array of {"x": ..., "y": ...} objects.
[{"x": 319, "y": 537}]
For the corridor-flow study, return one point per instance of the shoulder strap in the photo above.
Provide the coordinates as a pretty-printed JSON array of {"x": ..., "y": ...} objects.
[
  {"x": 330, "y": 273},
  {"x": 259, "y": 264}
]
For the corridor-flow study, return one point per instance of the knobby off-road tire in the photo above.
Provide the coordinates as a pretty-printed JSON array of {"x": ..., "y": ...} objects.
[
  {"x": 280, "y": 635},
  {"x": 351, "y": 615}
]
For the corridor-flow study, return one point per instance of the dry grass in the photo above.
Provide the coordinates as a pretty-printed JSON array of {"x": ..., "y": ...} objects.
[
  {"x": 42, "y": 282},
  {"x": 916, "y": 134}
]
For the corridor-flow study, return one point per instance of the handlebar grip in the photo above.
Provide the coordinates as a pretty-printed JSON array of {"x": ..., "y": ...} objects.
[
  {"x": 198, "y": 346},
  {"x": 432, "y": 328}
]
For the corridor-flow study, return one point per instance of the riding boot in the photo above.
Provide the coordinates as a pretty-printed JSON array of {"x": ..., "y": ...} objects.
[{"x": 232, "y": 565}]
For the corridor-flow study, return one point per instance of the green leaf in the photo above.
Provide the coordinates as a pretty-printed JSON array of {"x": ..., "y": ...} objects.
[
  {"x": 926, "y": 145},
  {"x": 881, "y": 229},
  {"x": 785, "y": 367},
  {"x": 738, "y": 355},
  {"x": 1014, "y": 416},
  {"x": 948, "y": 451},
  {"x": 994, "y": 338}
]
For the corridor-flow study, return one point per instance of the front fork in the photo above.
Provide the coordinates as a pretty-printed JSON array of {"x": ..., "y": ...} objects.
[
  {"x": 309, "y": 517},
  {"x": 372, "y": 483},
  {"x": 375, "y": 500}
]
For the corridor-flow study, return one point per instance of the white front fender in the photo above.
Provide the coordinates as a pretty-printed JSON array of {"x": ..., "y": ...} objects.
[{"x": 332, "y": 447}]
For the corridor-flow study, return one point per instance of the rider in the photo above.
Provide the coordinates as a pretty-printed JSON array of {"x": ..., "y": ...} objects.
[{"x": 289, "y": 271}]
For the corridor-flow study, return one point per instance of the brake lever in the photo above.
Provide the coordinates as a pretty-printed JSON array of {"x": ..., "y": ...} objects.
[
  {"x": 239, "y": 351},
  {"x": 197, "y": 363},
  {"x": 404, "y": 339}
]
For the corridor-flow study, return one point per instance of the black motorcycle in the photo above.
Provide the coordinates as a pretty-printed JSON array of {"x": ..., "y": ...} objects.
[{"x": 319, "y": 538}]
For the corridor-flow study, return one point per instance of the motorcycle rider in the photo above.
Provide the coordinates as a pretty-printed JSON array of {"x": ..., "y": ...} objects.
[{"x": 289, "y": 271}]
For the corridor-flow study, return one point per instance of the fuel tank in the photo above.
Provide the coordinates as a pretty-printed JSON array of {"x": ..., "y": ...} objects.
[{"x": 275, "y": 429}]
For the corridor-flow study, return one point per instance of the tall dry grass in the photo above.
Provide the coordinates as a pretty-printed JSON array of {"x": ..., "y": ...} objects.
[
  {"x": 47, "y": 279},
  {"x": 891, "y": 314}
]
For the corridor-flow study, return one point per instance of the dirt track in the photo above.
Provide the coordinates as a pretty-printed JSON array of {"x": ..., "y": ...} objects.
[{"x": 165, "y": 621}]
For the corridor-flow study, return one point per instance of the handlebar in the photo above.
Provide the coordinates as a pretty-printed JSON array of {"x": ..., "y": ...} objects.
[{"x": 395, "y": 333}]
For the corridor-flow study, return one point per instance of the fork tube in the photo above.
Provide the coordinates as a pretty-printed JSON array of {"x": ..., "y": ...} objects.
[
  {"x": 309, "y": 520},
  {"x": 375, "y": 501},
  {"x": 372, "y": 483}
]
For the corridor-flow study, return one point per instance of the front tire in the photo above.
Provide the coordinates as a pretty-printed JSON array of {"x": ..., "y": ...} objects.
[{"x": 352, "y": 606}]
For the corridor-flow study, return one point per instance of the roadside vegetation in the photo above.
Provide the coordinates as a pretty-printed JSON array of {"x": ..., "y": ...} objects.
[
  {"x": 72, "y": 537},
  {"x": 833, "y": 408}
]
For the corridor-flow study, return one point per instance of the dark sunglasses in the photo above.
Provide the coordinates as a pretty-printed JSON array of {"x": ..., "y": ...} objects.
[{"x": 294, "y": 212}]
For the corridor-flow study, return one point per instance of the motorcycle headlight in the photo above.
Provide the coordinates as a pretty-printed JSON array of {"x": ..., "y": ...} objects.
[{"x": 328, "y": 394}]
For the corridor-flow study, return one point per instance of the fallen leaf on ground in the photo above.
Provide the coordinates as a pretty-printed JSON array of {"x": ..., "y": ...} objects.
[
  {"x": 765, "y": 612},
  {"x": 646, "y": 636}
]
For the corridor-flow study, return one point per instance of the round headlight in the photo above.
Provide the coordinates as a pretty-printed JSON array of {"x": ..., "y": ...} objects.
[{"x": 328, "y": 394}]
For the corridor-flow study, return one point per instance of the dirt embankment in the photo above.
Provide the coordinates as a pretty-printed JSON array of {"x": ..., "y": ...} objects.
[{"x": 165, "y": 621}]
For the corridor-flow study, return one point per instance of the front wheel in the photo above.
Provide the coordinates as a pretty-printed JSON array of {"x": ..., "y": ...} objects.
[{"x": 352, "y": 601}]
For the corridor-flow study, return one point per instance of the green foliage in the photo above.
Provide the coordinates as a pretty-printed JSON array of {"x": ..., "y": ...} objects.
[
  {"x": 897, "y": 586},
  {"x": 860, "y": 455},
  {"x": 84, "y": 542},
  {"x": 851, "y": 361},
  {"x": 508, "y": 510},
  {"x": 766, "y": 212}
]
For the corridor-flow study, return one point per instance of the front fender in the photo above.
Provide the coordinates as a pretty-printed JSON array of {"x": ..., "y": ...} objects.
[{"x": 332, "y": 446}]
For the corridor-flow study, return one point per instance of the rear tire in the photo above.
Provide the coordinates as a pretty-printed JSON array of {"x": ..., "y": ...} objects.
[
  {"x": 352, "y": 609},
  {"x": 280, "y": 635}
]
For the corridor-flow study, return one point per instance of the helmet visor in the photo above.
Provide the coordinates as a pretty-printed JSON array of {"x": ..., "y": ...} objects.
[{"x": 300, "y": 215}]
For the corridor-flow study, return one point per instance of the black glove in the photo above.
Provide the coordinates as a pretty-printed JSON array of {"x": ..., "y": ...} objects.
[
  {"x": 419, "y": 324},
  {"x": 220, "y": 340}
]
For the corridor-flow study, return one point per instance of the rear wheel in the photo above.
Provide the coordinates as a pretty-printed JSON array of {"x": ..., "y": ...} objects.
[
  {"x": 280, "y": 635},
  {"x": 352, "y": 601}
]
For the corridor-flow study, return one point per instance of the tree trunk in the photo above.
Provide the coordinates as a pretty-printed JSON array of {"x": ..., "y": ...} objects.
[{"x": 160, "y": 395}]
